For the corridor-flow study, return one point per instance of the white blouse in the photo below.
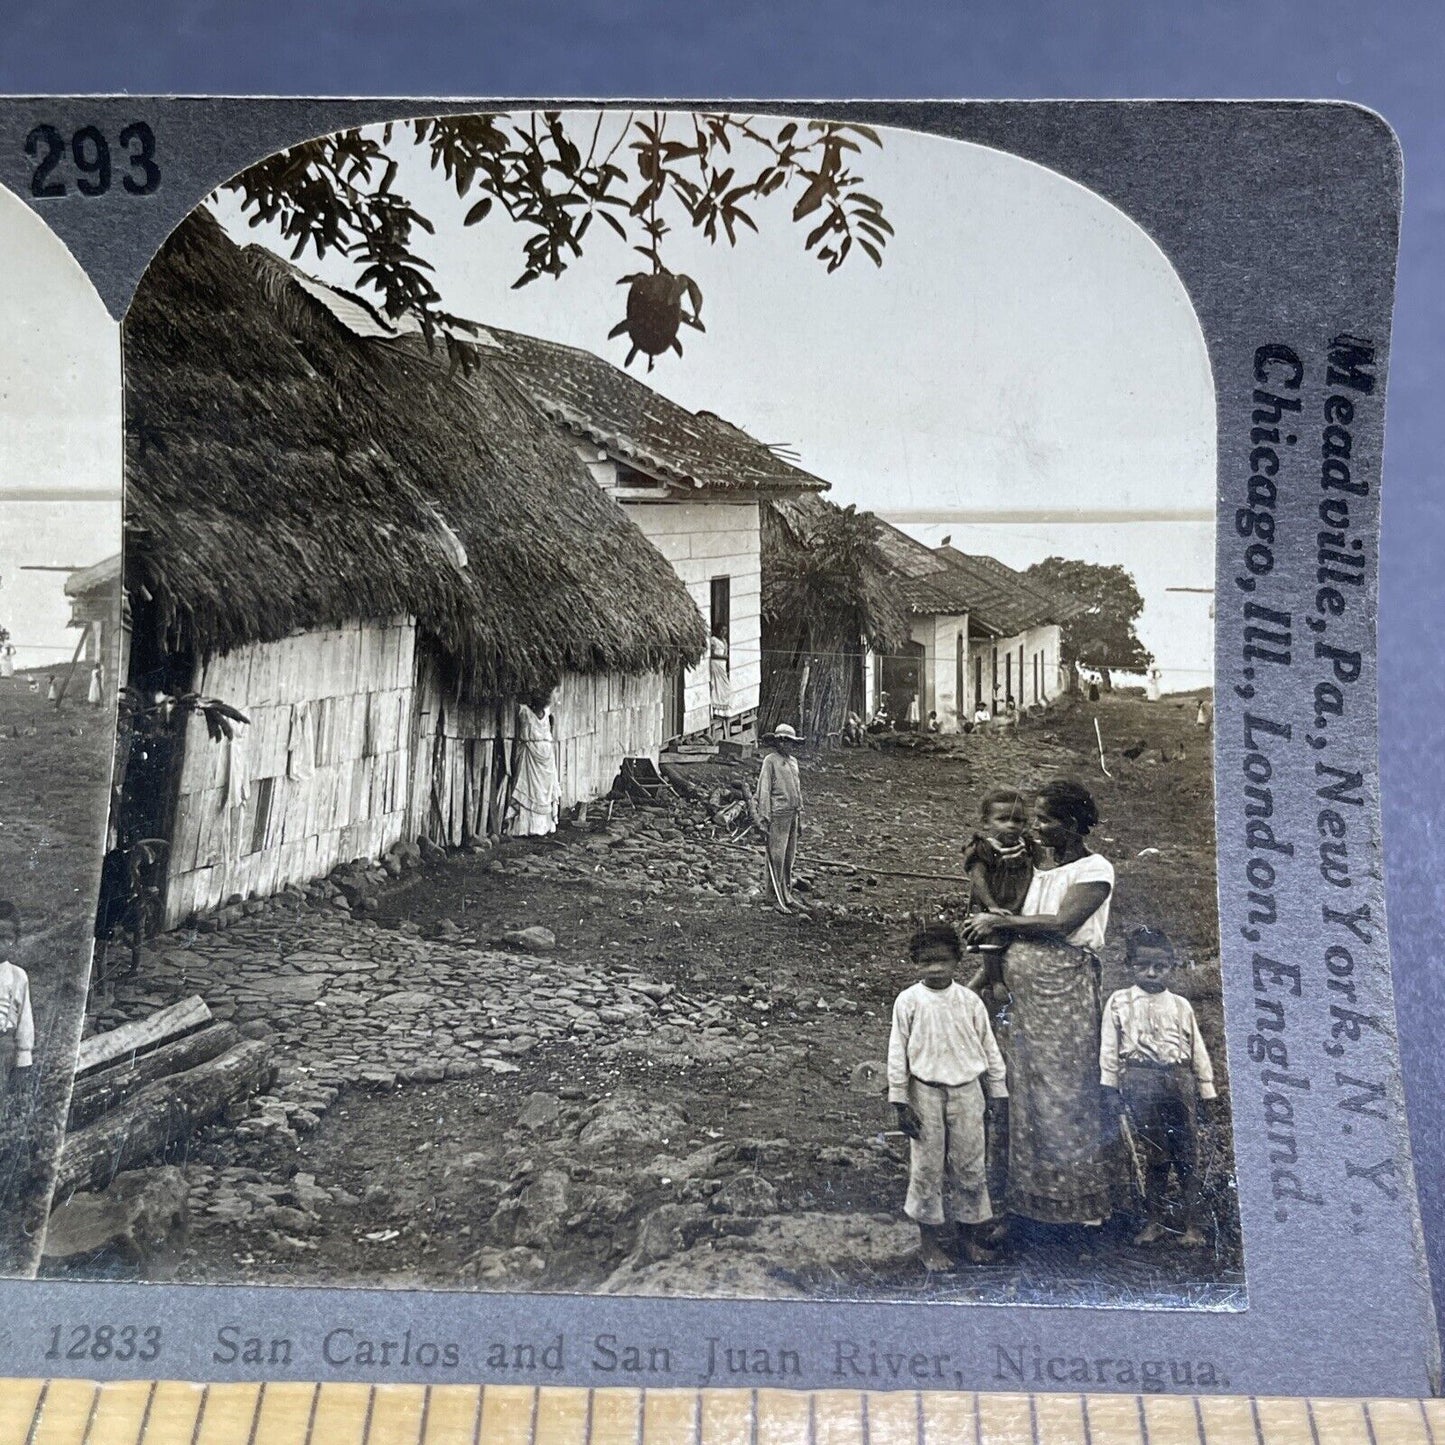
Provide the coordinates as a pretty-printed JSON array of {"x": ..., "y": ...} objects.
[{"x": 1046, "y": 894}]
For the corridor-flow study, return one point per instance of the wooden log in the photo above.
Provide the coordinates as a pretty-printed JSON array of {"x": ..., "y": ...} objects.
[
  {"x": 679, "y": 780},
  {"x": 141, "y": 1035},
  {"x": 161, "y": 1114},
  {"x": 100, "y": 1092}
]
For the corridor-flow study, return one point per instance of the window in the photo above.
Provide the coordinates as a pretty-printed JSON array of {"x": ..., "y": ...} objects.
[
  {"x": 260, "y": 824},
  {"x": 721, "y": 621}
]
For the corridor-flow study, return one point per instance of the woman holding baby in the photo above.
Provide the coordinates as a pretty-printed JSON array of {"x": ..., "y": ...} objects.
[{"x": 1059, "y": 1165}]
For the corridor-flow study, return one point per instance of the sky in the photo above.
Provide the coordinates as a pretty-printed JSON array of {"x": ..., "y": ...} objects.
[
  {"x": 60, "y": 432},
  {"x": 1025, "y": 348}
]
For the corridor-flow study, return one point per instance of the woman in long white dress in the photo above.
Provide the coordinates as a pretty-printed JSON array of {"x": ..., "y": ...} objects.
[
  {"x": 720, "y": 683},
  {"x": 537, "y": 791}
]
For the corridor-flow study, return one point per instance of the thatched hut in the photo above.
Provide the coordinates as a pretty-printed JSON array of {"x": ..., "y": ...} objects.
[{"x": 373, "y": 557}]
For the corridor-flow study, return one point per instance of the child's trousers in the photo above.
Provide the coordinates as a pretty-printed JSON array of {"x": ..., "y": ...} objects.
[
  {"x": 947, "y": 1182},
  {"x": 1162, "y": 1103}
]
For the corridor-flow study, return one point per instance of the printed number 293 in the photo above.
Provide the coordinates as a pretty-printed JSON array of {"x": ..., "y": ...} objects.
[{"x": 90, "y": 158}]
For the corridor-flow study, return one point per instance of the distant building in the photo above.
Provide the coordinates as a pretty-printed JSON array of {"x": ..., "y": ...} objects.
[
  {"x": 980, "y": 635},
  {"x": 96, "y": 607},
  {"x": 1014, "y": 650}
]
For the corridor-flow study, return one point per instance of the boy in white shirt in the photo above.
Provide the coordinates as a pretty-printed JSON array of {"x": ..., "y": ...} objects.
[
  {"x": 17, "y": 1024},
  {"x": 942, "y": 1061},
  {"x": 1155, "y": 1070}
]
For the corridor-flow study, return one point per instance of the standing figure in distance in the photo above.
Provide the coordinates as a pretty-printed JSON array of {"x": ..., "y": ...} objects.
[
  {"x": 17, "y": 1028},
  {"x": 780, "y": 810},
  {"x": 537, "y": 792}
]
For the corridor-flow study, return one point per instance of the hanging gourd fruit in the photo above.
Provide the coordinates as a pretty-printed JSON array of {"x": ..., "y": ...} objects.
[{"x": 658, "y": 304}]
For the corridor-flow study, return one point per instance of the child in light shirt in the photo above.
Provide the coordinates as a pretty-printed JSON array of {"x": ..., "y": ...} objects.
[
  {"x": 1156, "y": 1073},
  {"x": 942, "y": 1062},
  {"x": 17, "y": 1025}
]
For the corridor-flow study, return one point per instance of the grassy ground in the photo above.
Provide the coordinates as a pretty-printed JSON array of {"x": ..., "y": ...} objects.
[{"x": 54, "y": 792}]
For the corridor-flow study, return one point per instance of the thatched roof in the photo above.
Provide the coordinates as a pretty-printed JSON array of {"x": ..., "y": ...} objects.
[
  {"x": 601, "y": 403},
  {"x": 285, "y": 474},
  {"x": 795, "y": 525}
]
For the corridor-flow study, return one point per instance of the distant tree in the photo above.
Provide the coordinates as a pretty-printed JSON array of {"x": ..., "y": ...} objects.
[
  {"x": 554, "y": 175},
  {"x": 1102, "y": 635}
]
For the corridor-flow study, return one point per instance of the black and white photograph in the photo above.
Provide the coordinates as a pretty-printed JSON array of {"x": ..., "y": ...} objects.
[
  {"x": 60, "y": 538},
  {"x": 663, "y": 729}
]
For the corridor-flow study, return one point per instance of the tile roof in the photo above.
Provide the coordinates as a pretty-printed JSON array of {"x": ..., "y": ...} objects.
[
  {"x": 1007, "y": 596},
  {"x": 599, "y": 401},
  {"x": 942, "y": 581},
  {"x": 98, "y": 577},
  {"x": 925, "y": 581}
]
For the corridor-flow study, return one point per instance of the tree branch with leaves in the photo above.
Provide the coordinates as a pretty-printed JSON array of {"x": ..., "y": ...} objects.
[{"x": 554, "y": 174}]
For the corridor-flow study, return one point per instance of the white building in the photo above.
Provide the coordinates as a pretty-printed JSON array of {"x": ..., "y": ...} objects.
[
  {"x": 692, "y": 483},
  {"x": 982, "y": 635}
]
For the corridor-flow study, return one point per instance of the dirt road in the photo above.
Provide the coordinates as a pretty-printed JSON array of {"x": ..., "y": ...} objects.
[{"x": 683, "y": 1094}]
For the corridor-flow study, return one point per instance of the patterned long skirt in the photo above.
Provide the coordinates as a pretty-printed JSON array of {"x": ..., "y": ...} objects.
[{"x": 1060, "y": 1162}]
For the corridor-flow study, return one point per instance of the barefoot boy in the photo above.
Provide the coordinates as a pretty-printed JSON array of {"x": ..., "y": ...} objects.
[
  {"x": 1155, "y": 1070},
  {"x": 942, "y": 1059}
]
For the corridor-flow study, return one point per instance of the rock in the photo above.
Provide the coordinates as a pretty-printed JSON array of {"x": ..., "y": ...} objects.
[
  {"x": 295, "y": 1221},
  {"x": 503, "y": 1267},
  {"x": 664, "y": 1232},
  {"x": 749, "y": 1195},
  {"x": 306, "y": 1194},
  {"x": 431, "y": 852},
  {"x": 815, "y": 1249},
  {"x": 535, "y": 1216},
  {"x": 530, "y": 940},
  {"x": 627, "y": 1120},
  {"x": 867, "y": 1078},
  {"x": 141, "y": 1216},
  {"x": 447, "y": 928},
  {"x": 539, "y": 1110}
]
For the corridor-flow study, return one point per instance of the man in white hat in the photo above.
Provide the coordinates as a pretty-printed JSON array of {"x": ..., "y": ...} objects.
[{"x": 780, "y": 808}]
